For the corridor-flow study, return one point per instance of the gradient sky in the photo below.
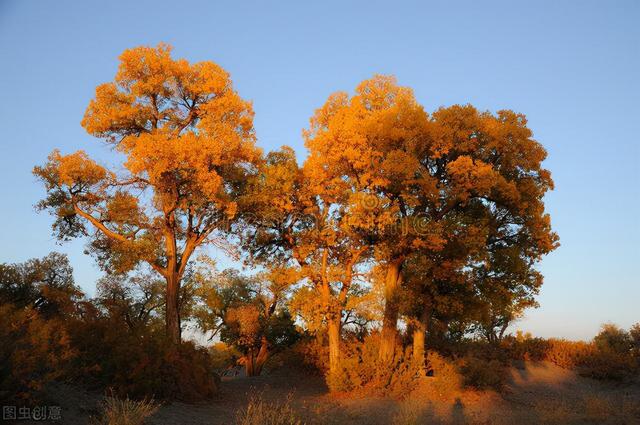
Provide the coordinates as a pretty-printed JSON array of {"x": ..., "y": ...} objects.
[{"x": 572, "y": 67}]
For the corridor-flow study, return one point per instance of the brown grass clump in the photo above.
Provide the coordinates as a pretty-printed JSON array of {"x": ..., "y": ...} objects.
[
  {"x": 261, "y": 412},
  {"x": 117, "y": 411},
  {"x": 410, "y": 413}
]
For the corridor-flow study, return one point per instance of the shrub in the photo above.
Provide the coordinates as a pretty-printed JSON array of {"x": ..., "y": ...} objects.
[
  {"x": 447, "y": 379},
  {"x": 261, "y": 412},
  {"x": 360, "y": 370},
  {"x": 612, "y": 357},
  {"x": 223, "y": 356},
  {"x": 605, "y": 358},
  {"x": 634, "y": 334},
  {"x": 125, "y": 411},
  {"x": 141, "y": 364},
  {"x": 612, "y": 338},
  {"x": 568, "y": 354},
  {"x": 606, "y": 364},
  {"x": 483, "y": 374},
  {"x": 33, "y": 351},
  {"x": 525, "y": 347},
  {"x": 312, "y": 353}
]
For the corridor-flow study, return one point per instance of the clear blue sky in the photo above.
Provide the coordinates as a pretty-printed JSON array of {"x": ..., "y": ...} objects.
[{"x": 572, "y": 67}]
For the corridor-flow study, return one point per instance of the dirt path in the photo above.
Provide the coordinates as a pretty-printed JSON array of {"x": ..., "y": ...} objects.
[
  {"x": 537, "y": 393},
  {"x": 306, "y": 391}
]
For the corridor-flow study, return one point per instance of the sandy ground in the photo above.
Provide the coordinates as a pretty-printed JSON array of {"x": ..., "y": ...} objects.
[{"x": 536, "y": 393}]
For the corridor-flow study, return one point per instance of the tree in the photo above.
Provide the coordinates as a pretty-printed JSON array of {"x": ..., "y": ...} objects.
[
  {"x": 424, "y": 181},
  {"x": 246, "y": 312},
  {"x": 300, "y": 223},
  {"x": 614, "y": 339},
  {"x": 368, "y": 142},
  {"x": 44, "y": 284},
  {"x": 188, "y": 143},
  {"x": 506, "y": 285},
  {"x": 132, "y": 300}
]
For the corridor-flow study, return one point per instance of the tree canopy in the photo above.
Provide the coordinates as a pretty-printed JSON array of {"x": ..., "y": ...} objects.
[
  {"x": 441, "y": 215},
  {"x": 187, "y": 142}
]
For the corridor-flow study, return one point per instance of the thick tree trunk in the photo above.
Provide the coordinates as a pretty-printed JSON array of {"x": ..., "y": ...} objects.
[
  {"x": 334, "y": 344},
  {"x": 418, "y": 343},
  {"x": 419, "y": 332},
  {"x": 333, "y": 328},
  {"x": 262, "y": 357},
  {"x": 249, "y": 364},
  {"x": 172, "y": 309},
  {"x": 253, "y": 363},
  {"x": 389, "y": 334}
]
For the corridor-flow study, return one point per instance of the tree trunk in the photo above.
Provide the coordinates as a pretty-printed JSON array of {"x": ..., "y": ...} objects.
[
  {"x": 419, "y": 332},
  {"x": 391, "y": 310},
  {"x": 334, "y": 344},
  {"x": 172, "y": 309},
  {"x": 333, "y": 318},
  {"x": 262, "y": 357},
  {"x": 249, "y": 369},
  {"x": 253, "y": 363}
]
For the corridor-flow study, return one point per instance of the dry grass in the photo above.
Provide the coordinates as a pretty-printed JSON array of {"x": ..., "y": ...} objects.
[
  {"x": 558, "y": 411},
  {"x": 117, "y": 411},
  {"x": 410, "y": 413},
  {"x": 599, "y": 408},
  {"x": 262, "y": 412}
]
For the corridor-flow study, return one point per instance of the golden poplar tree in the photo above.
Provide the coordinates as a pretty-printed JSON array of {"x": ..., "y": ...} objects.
[
  {"x": 420, "y": 183},
  {"x": 300, "y": 223},
  {"x": 187, "y": 141}
]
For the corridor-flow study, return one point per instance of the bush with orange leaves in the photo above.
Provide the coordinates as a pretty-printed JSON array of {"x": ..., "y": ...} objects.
[
  {"x": 362, "y": 371},
  {"x": 37, "y": 298},
  {"x": 525, "y": 347},
  {"x": 446, "y": 378},
  {"x": 33, "y": 351},
  {"x": 568, "y": 354},
  {"x": 613, "y": 356}
]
